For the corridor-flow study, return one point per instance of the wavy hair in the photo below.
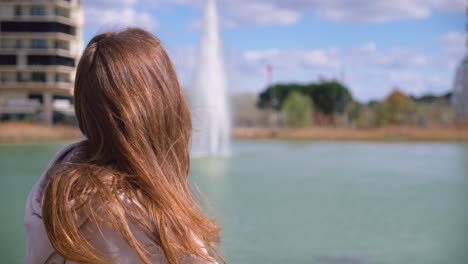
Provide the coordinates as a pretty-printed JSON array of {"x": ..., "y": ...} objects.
[{"x": 134, "y": 170}]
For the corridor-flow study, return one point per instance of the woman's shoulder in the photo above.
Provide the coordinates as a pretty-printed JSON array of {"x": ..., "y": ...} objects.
[
  {"x": 39, "y": 248},
  {"x": 67, "y": 153}
]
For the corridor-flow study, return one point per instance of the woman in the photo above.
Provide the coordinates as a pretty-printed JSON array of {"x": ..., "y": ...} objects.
[{"x": 122, "y": 196}]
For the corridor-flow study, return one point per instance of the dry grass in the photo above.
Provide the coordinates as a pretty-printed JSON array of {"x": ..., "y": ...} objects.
[
  {"x": 20, "y": 132},
  {"x": 345, "y": 134}
]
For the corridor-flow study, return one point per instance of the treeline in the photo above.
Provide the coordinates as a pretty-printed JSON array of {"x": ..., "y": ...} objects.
[{"x": 331, "y": 103}]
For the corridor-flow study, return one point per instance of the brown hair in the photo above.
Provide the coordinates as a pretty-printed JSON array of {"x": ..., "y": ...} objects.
[{"x": 130, "y": 107}]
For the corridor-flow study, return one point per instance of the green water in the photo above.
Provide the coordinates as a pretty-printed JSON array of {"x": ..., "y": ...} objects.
[{"x": 296, "y": 202}]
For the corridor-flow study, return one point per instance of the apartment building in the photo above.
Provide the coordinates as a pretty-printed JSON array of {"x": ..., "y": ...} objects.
[{"x": 40, "y": 44}]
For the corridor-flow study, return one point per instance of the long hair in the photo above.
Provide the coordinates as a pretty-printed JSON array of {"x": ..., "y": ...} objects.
[{"x": 134, "y": 169}]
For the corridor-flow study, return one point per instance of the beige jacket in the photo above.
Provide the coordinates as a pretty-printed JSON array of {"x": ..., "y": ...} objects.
[{"x": 39, "y": 250}]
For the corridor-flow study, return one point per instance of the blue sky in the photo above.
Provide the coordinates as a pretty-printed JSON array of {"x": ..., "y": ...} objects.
[{"x": 373, "y": 46}]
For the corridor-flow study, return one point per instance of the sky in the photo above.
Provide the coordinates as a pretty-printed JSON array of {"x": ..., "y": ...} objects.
[{"x": 372, "y": 46}]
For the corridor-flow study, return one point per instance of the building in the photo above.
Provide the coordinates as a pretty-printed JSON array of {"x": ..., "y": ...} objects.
[
  {"x": 460, "y": 91},
  {"x": 40, "y": 44}
]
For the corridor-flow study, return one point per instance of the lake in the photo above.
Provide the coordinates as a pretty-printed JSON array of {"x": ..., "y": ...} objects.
[{"x": 304, "y": 202}]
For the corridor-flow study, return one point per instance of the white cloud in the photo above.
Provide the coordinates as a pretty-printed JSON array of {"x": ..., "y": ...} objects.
[
  {"x": 261, "y": 13},
  {"x": 102, "y": 15},
  {"x": 287, "y": 12},
  {"x": 370, "y": 47},
  {"x": 107, "y": 3},
  {"x": 184, "y": 60},
  {"x": 294, "y": 58},
  {"x": 368, "y": 70},
  {"x": 451, "y": 5},
  {"x": 453, "y": 48},
  {"x": 259, "y": 55},
  {"x": 371, "y": 11},
  {"x": 454, "y": 42}
]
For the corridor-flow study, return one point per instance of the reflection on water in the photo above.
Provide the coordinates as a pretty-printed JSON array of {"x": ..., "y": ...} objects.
[
  {"x": 210, "y": 173},
  {"x": 299, "y": 202},
  {"x": 342, "y": 203}
]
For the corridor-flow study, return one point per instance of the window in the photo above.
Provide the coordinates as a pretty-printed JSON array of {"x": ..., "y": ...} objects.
[
  {"x": 39, "y": 44},
  {"x": 7, "y": 43},
  {"x": 60, "y": 44},
  {"x": 19, "y": 43},
  {"x": 19, "y": 77},
  {"x": 62, "y": 77},
  {"x": 8, "y": 77},
  {"x": 18, "y": 11},
  {"x": 50, "y": 60},
  {"x": 38, "y": 11},
  {"x": 7, "y": 59},
  {"x": 38, "y": 77},
  {"x": 9, "y": 26}
]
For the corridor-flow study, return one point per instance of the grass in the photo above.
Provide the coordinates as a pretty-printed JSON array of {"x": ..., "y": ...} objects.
[{"x": 22, "y": 132}]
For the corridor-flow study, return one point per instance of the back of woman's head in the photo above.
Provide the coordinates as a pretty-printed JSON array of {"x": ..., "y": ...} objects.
[{"x": 130, "y": 107}]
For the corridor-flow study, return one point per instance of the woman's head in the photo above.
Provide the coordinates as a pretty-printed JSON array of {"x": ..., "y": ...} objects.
[
  {"x": 126, "y": 91},
  {"x": 130, "y": 107}
]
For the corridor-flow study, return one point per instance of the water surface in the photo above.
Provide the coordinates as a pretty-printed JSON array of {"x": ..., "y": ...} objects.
[{"x": 305, "y": 202}]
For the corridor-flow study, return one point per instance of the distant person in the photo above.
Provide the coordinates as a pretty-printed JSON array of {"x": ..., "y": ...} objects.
[{"x": 122, "y": 195}]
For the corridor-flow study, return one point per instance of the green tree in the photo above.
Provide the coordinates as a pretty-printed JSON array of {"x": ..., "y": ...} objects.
[
  {"x": 331, "y": 97},
  {"x": 274, "y": 96},
  {"x": 397, "y": 108},
  {"x": 328, "y": 97},
  {"x": 298, "y": 109}
]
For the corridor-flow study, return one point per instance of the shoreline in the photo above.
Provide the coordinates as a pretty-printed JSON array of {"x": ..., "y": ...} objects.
[
  {"x": 18, "y": 133},
  {"x": 384, "y": 134},
  {"x": 22, "y": 133}
]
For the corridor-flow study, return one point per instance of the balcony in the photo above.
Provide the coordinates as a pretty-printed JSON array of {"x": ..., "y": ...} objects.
[
  {"x": 7, "y": 59},
  {"x": 25, "y": 106},
  {"x": 46, "y": 35},
  {"x": 64, "y": 88},
  {"x": 34, "y": 68},
  {"x": 62, "y": 3},
  {"x": 35, "y": 51},
  {"x": 36, "y": 27},
  {"x": 50, "y": 60},
  {"x": 45, "y": 18}
]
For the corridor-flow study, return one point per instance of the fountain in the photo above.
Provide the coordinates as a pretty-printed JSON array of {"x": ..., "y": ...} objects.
[
  {"x": 460, "y": 90},
  {"x": 209, "y": 102}
]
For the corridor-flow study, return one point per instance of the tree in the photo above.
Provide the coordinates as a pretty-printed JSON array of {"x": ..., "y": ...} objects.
[
  {"x": 298, "y": 108},
  {"x": 273, "y": 97},
  {"x": 328, "y": 97},
  {"x": 331, "y": 97},
  {"x": 397, "y": 108}
]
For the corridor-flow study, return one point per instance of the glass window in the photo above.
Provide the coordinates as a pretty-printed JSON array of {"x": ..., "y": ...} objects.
[
  {"x": 61, "y": 12},
  {"x": 17, "y": 10},
  {"x": 50, "y": 60},
  {"x": 62, "y": 77},
  {"x": 22, "y": 26},
  {"x": 19, "y": 77},
  {"x": 38, "y": 77},
  {"x": 59, "y": 44},
  {"x": 38, "y": 11},
  {"x": 39, "y": 44},
  {"x": 8, "y": 43},
  {"x": 19, "y": 43},
  {"x": 7, "y": 59}
]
